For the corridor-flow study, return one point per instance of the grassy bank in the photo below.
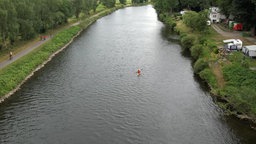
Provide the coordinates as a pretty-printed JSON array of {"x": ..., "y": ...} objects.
[
  {"x": 13, "y": 75},
  {"x": 229, "y": 77}
]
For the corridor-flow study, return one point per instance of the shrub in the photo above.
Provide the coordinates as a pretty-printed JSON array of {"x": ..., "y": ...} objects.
[
  {"x": 245, "y": 63},
  {"x": 170, "y": 22},
  {"x": 200, "y": 65},
  {"x": 182, "y": 35},
  {"x": 236, "y": 57},
  {"x": 242, "y": 99},
  {"x": 187, "y": 42},
  {"x": 196, "y": 21},
  {"x": 208, "y": 76},
  {"x": 196, "y": 51}
]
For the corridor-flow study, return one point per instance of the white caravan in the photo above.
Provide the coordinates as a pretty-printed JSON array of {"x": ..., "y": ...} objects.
[
  {"x": 233, "y": 44},
  {"x": 249, "y": 50}
]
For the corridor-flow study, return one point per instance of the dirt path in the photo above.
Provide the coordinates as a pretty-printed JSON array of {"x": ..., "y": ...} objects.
[
  {"x": 216, "y": 69},
  {"x": 225, "y": 33},
  {"x": 215, "y": 66},
  {"x": 233, "y": 34}
]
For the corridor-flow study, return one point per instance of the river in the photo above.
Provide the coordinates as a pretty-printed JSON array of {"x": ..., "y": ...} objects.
[{"x": 90, "y": 93}]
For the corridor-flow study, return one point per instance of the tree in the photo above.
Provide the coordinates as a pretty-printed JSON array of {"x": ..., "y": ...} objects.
[
  {"x": 109, "y": 3},
  {"x": 225, "y": 6},
  {"x": 197, "y": 21},
  {"x": 25, "y": 16},
  {"x": 245, "y": 12},
  {"x": 8, "y": 25},
  {"x": 122, "y": 1},
  {"x": 78, "y": 7},
  {"x": 163, "y": 6}
]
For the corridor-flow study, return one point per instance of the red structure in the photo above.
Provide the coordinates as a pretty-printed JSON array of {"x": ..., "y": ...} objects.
[{"x": 238, "y": 27}]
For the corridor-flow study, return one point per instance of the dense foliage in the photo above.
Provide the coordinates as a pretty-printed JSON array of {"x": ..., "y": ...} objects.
[
  {"x": 242, "y": 10},
  {"x": 14, "y": 74},
  {"x": 24, "y": 19},
  {"x": 196, "y": 21},
  {"x": 237, "y": 84},
  {"x": 178, "y": 5},
  {"x": 240, "y": 88},
  {"x": 139, "y": 1}
]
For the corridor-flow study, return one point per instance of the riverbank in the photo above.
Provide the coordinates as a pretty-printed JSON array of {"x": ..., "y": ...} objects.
[
  {"x": 229, "y": 77},
  {"x": 14, "y": 75}
]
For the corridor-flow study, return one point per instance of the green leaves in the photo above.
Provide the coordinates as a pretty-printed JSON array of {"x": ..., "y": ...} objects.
[
  {"x": 14, "y": 74},
  {"x": 196, "y": 21},
  {"x": 109, "y": 3}
]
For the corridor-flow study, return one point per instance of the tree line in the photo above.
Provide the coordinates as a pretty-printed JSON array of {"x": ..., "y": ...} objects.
[
  {"x": 243, "y": 11},
  {"x": 25, "y": 19}
]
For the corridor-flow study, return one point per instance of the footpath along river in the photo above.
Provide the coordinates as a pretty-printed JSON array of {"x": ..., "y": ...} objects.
[{"x": 90, "y": 92}]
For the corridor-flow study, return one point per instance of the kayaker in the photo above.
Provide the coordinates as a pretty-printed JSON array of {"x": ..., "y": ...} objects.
[{"x": 138, "y": 71}]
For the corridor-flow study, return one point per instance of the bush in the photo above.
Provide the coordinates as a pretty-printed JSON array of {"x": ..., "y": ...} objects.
[
  {"x": 196, "y": 51},
  {"x": 170, "y": 22},
  {"x": 236, "y": 57},
  {"x": 196, "y": 21},
  {"x": 209, "y": 77},
  {"x": 242, "y": 99},
  {"x": 202, "y": 40},
  {"x": 187, "y": 42},
  {"x": 182, "y": 35},
  {"x": 200, "y": 65},
  {"x": 238, "y": 76},
  {"x": 245, "y": 63}
]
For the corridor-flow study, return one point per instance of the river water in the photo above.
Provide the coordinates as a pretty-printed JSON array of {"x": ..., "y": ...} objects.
[{"x": 90, "y": 93}]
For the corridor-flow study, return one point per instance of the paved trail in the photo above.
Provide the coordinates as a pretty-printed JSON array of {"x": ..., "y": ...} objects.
[
  {"x": 27, "y": 50},
  {"x": 22, "y": 53}
]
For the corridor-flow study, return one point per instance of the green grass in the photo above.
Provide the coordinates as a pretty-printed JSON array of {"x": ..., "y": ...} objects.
[
  {"x": 14, "y": 74},
  {"x": 100, "y": 8},
  {"x": 240, "y": 89},
  {"x": 240, "y": 82}
]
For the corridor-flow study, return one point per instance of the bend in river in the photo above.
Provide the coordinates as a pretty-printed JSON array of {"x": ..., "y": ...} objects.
[{"x": 90, "y": 93}]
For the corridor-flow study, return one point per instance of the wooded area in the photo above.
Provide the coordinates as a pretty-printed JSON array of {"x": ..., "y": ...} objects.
[
  {"x": 231, "y": 77},
  {"x": 243, "y": 11},
  {"x": 25, "y": 19}
]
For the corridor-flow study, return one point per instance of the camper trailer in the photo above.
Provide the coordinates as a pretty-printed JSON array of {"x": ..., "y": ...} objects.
[
  {"x": 233, "y": 44},
  {"x": 249, "y": 50}
]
